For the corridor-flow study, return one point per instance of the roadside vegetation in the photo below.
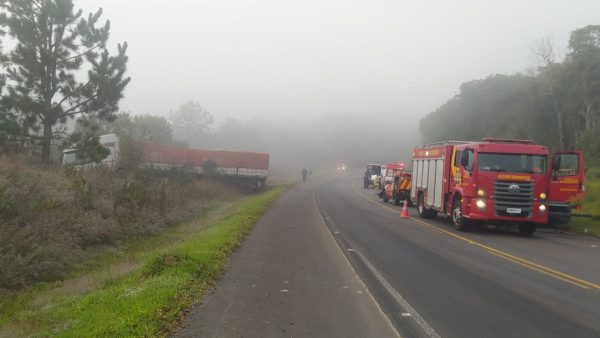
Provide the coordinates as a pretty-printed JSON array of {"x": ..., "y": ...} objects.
[
  {"x": 590, "y": 224},
  {"x": 50, "y": 217},
  {"x": 557, "y": 104},
  {"x": 142, "y": 289}
]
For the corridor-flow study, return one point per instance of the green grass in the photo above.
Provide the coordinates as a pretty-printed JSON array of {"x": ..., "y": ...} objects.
[
  {"x": 144, "y": 298},
  {"x": 590, "y": 206}
]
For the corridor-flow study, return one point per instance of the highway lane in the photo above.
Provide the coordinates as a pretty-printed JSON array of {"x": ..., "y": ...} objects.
[
  {"x": 484, "y": 283},
  {"x": 289, "y": 279}
]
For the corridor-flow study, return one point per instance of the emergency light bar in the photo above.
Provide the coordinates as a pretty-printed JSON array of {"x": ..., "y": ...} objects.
[{"x": 507, "y": 140}]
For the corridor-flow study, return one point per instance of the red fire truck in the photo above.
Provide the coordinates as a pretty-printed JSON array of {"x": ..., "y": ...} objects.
[
  {"x": 496, "y": 181},
  {"x": 398, "y": 190}
]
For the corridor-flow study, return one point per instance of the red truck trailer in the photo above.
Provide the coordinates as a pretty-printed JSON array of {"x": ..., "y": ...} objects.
[
  {"x": 496, "y": 181},
  {"x": 248, "y": 170}
]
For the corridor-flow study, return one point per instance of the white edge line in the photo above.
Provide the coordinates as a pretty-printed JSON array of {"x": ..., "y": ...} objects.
[
  {"x": 387, "y": 319},
  {"x": 422, "y": 323}
]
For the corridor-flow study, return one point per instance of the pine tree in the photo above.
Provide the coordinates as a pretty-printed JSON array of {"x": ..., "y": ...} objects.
[{"x": 54, "y": 44}]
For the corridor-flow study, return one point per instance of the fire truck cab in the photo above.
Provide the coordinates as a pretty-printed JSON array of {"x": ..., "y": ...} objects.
[{"x": 495, "y": 181}]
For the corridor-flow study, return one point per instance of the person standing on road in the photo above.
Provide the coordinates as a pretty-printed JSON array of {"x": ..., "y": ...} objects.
[
  {"x": 377, "y": 182},
  {"x": 309, "y": 174},
  {"x": 304, "y": 174}
]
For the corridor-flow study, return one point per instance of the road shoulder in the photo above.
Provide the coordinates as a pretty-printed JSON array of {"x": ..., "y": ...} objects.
[{"x": 289, "y": 278}]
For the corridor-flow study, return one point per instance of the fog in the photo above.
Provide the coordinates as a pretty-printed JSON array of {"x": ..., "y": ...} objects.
[{"x": 334, "y": 80}]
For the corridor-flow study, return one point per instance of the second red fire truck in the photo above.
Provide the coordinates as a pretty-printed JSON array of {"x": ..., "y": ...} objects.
[
  {"x": 397, "y": 183},
  {"x": 496, "y": 181}
]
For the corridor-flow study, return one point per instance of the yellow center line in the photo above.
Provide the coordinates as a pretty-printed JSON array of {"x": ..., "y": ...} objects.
[
  {"x": 539, "y": 270},
  {"x": 518, "y": 260}
]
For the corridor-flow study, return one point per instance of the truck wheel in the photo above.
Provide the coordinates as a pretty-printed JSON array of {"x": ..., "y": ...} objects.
[
  {"x": 422, "y": 209},
  {"x": 527, "y": 229},
  {"x": 458, "y": 221},
  {"x": 421, "y": 206}
]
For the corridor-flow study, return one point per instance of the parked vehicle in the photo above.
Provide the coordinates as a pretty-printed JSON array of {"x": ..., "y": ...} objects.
[
  {"x": 398, "y": 190},
  {"x": 248, "y": 170},
  {"x": 388, "y": 173},
  {"x": 496, "y": 181},
  {"x": 370, "y": 173}
]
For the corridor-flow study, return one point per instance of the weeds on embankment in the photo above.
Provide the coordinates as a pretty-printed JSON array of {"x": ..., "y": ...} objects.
[
  {"x": 148, "y": 299},
  {"x": 50, "y": 218},
  {"x": 590, "y": 206}
]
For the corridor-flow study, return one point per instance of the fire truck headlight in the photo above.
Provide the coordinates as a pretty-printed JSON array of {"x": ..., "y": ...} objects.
[
  {"x": 542, "y": 208},
  {"x": 543, "y": 196},
  {"x": 480, "y": 204},
  {"x": 480, "y": 192}
]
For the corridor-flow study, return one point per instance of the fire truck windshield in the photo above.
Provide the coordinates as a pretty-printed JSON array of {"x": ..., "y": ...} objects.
[{"x": 514, "y": 163}]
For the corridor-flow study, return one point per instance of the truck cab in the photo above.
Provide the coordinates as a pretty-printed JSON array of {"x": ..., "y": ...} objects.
[
  {"x": 500, "y": 181},
  {"x": 511, "y": 181},
  {"x": 72, "y": 156}
]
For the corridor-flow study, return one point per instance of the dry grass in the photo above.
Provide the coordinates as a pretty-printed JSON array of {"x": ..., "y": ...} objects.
[
  {"x": 140, "y": 288},
  {"x": 50, "y": 219}
]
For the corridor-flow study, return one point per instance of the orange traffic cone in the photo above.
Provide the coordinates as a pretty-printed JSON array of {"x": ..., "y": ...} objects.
[{"x": 404, "y": 213}]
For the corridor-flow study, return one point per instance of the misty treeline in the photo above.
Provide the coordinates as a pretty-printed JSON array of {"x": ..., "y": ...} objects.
[
  {"x": 353, "y": 139},
  {"x": 557, "y": 104}
]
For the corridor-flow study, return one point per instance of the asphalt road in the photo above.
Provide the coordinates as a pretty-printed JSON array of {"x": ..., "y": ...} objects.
[
  {"x": 289, "y": 279},
  {"x": 422, "y": 278}
]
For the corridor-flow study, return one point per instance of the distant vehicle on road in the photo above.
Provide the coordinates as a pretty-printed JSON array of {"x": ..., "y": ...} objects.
[
  {"x": 496, "y": 181},
  {"x": 247, "y": 170},
  {"x": 370, "y": 173}
]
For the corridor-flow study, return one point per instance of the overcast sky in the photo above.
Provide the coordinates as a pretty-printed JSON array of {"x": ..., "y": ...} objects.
[{"x": 270, "y": 58}]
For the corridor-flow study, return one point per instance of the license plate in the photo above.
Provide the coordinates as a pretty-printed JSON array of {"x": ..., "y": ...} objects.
[{"x": 513, "y": 210}]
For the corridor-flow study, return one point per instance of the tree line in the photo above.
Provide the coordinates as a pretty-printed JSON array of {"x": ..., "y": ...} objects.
[
  {"x": 557, "y": 104},
  {"x": 58, "y": 69}
]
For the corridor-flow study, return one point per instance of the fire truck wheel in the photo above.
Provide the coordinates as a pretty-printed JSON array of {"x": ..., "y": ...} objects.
[
  {"x": 527, "y": 229},
  {"x": 458, "y": 221},
  {"x": 421, "y": 209}
]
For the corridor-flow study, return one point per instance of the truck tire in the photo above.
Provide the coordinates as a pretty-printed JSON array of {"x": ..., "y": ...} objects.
[
  {"x": 527, "y": 229},
  {"x": 423, "y": 211},
  {"x": 458, "y": 221}
]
